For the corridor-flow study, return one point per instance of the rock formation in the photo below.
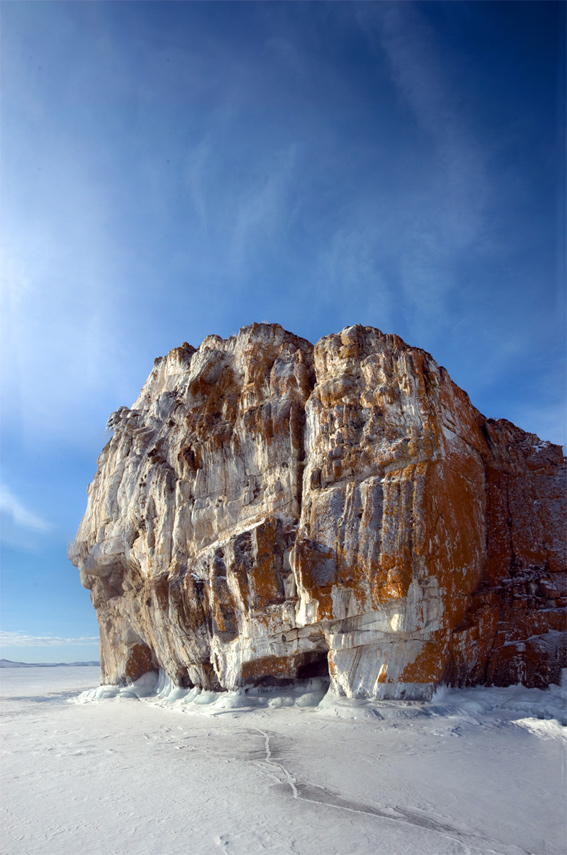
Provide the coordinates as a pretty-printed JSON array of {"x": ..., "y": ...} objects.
[{"x": 270, "y": 510}]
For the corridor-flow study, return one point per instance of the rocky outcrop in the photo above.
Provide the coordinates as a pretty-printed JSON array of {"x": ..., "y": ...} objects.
[{"x": 269, "y": 511}]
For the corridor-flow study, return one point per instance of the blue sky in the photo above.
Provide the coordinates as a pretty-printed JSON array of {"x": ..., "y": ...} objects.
[{"x": 173, "y": 169}]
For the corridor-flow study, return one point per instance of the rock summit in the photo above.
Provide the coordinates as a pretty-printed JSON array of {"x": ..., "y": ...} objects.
[{"x": 270, "y": 511}]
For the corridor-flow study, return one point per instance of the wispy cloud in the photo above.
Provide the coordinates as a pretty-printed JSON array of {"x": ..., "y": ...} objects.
[
  {"x": 22, "y": 516},
  {"x": 443, "y": 215},
  {"x": 59, "y": 341},
  {"x": 262, "y": 209},
  {"x": 22, "y": 639}
]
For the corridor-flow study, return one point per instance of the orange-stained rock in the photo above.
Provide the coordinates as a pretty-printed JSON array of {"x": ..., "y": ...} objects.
[{"x": 268, "y": 509}]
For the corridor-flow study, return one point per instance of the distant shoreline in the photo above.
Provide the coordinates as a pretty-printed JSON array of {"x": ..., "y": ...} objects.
[{"x": 7, "y": 663}]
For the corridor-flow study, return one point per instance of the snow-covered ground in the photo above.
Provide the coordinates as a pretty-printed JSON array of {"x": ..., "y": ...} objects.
[{"x": 478, "y": 771}]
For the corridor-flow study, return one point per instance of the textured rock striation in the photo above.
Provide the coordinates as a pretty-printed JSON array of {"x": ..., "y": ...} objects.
[{"x": 270, "y": 510}]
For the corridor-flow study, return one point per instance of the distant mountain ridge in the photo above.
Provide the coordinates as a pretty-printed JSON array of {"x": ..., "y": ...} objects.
[{"x": 7, "y": 663}]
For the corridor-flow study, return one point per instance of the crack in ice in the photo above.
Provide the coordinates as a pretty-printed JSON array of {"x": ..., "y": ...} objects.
[
  {"x": 268, "y": 759},
  {"x": 300, "y": 792}
]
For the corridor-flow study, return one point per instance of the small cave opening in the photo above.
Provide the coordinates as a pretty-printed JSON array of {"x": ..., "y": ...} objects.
[
  {"x": 140, "y": 660},
  {"x": 296, "y": 670},
  {"x": 184, "y": 681},
  {"x": 269, "y": 681},
  {"x": 314, "y": 664}
]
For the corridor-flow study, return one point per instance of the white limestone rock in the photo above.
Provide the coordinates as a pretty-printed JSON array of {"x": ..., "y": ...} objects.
[{"x": 268, "y": 511}]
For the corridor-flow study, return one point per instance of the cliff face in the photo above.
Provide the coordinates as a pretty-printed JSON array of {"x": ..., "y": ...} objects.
[{"x": 268, "y": 510}]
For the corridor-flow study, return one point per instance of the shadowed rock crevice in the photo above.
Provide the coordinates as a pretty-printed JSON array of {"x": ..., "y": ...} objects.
[{"x": 269, "y": 509}]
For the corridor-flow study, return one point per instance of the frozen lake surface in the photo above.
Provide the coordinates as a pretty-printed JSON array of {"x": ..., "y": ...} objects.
[{"x": 479, "y": 772}]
